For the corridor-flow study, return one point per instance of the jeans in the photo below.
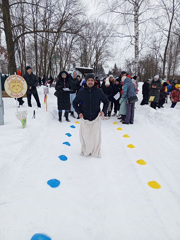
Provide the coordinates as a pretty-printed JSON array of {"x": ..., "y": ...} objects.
[
  {"x": 130, "y": 113},
  {"x": 72, "y": 97}
]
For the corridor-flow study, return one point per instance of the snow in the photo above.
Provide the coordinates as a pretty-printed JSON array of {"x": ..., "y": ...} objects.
[{"x": 98, "y": 198}]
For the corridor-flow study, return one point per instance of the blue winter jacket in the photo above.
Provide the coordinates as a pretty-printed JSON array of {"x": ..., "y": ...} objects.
[
  {"x": 128, "y": 89},
  {"x": 169, "y": 89}
]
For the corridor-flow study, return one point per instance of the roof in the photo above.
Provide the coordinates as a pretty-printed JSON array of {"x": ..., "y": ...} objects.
[{"x": 84, "y": 70}]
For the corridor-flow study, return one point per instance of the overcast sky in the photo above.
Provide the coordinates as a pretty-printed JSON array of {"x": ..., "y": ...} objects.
[
  {"x": 92, "y": 7},
  {"x": 94, "y": 10}
]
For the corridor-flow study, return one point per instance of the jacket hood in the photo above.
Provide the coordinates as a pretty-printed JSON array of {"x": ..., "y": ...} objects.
[
  {"x": 73, "y": 73},
  {"x": 60, "y": 74},
  {"x": 127, "y": 80}
]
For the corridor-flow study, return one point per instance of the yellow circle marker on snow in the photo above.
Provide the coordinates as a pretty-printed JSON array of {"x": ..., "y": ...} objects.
[
  {"x": 115, "y": 123},
  {"x": 141, "y": 162},
  {"x": 126, "y": 136},
  {"x": 130, "y": 146},
  {"x": 119, "y": 129},
  {"x": 154, "y": 185},
  {"x": 77, "y": 122}
]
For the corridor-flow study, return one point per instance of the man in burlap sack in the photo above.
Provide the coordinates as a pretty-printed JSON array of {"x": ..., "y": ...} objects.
[{"x": 87, "y": 105}]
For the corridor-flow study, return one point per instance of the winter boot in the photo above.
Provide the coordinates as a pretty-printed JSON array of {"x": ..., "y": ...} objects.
[
  {"x": 109, "y": 113},
  {"x": 106, "y": 116},
  {"x": 114, "y": 114},
  {"x": 66, "y": 116},
  {"x": 60, "y": 116},
  {"x": 72, "y": 114},
  {"x": 123, "y": 117}
]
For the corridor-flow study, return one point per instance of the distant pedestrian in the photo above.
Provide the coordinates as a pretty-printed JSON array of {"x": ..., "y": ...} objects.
[
  {"x": 145, "y": 93},
  {"x": 154, "y": 93},
  {"x": 44, "y": 80},
  {"x": 108, "y": 91},
  {"x": 163, "y": 95},
  {"x": 32, "y": 83},
  {"x": 175, "y": 95},
  {"x": 39, "y": 80},
  {"x": 63, "y": 94},
  {"x": 74, "y": 88},
  {"x": 117, "y": 88},
  {"x": 128, "y": 92}
]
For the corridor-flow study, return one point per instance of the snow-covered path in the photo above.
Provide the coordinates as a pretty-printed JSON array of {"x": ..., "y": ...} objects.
[{"x": 107, "y": 198}]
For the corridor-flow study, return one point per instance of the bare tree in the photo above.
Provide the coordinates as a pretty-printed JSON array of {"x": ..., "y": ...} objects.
[
  {"x": 93, "y": 47},
  {"x": 166, "y": 23},
  {"x": 130, "y": 12},
  {"x": 5, "y": 6},
  {"x": 173, "y": 56},
  {"x": 56, "y": 17}
]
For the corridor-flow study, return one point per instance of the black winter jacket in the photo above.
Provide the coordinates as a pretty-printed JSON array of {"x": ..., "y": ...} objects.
[
  {"x": 31, "y": 82},
  {"x": 108, "y": 91},
  {"x": 88, "y": 102},
  {"x": 145, "y": 89},
  {"x": 63, "y": 98},
  {"x": 116, "y": 89},
  {"x": 74, "y": 84},
  {"x": 155, "y": 91}
]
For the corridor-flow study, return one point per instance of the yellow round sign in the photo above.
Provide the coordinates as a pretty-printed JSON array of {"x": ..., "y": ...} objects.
[{"x": 15, "y": 86}]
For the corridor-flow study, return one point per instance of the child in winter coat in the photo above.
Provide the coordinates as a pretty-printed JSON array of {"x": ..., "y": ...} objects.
[{"x": 175, "y": 95}]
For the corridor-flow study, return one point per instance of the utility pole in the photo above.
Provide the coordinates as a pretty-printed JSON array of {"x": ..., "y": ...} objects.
[{"x": 1, "y": 105}]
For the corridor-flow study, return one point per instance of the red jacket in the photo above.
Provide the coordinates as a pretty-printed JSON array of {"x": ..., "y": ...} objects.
[{"x": 175, "y": 96}]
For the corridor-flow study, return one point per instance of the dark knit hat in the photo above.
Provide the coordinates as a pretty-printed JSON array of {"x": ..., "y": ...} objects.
[
  {"x": 89, "y": 75},
  {"x": 123, "y": 72},
  {"x": 28, "y": 67},
  {"x": 135, "y": 77}
]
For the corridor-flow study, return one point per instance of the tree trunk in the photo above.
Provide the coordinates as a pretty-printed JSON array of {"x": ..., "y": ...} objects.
[
  {"x": 167, "y": 43},
  {"x": 9, "y": 36},
  {"x": 136, "y": 36},
  {"x": 35, "y": 16}
]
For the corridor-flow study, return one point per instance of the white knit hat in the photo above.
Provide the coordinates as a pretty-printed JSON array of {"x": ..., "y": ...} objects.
[
  {"x": 123, "y": 78},
  {"x": 157, "y": 76},
  {"x": 107, "y": 83}
]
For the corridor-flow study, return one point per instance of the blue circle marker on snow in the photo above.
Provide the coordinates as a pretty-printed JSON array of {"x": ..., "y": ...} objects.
[
  {"x": 54, "y": 183},
  {"x": 68, "y": 134},
  {"x": 72, "y": 126},
  {"x": 40, "y": 236},
  {"x": 63, "y": 158},
  {"x": 67, "y": 143}
]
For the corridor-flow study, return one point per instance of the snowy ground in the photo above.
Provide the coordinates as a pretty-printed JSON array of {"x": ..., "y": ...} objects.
[{"x": 98, "y": 199}]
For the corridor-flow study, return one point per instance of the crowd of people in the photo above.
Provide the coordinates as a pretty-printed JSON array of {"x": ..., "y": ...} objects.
[
  {"x": 117, "y": 92},
  {"x": 120, "y": 92},
  {"x": 157, "y": 93},
  {"x": 94, "y": 100}
]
